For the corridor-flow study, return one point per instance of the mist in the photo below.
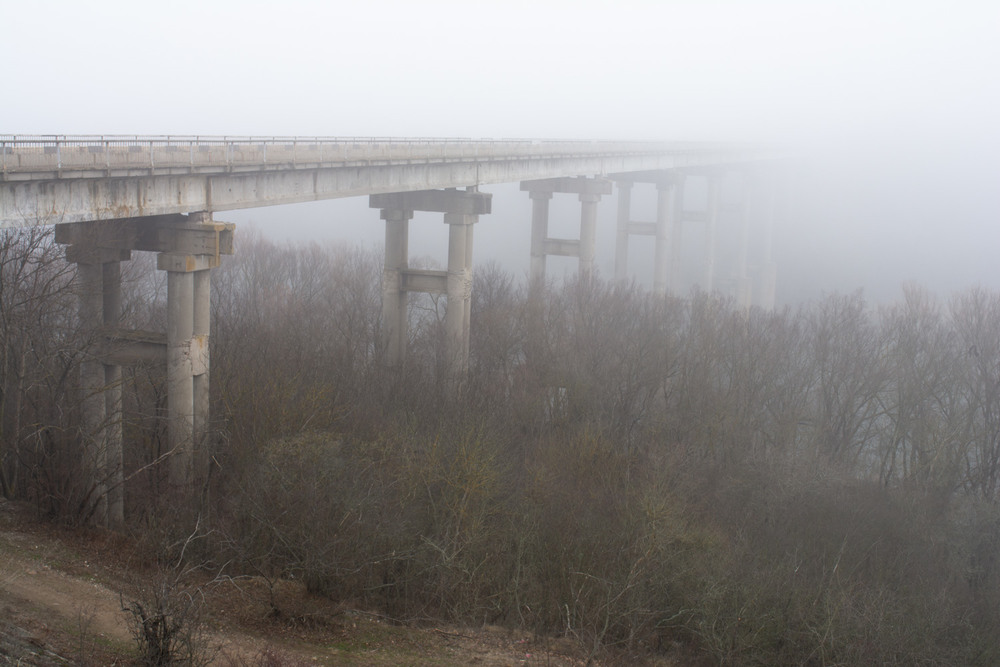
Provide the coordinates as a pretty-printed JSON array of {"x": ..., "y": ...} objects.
[
  {"x": 599, "y": 473},
  {"x": 888, "y": 113}
]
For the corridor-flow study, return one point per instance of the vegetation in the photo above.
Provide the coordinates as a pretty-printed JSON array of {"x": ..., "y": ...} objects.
[{"x": 642, "y": 474}]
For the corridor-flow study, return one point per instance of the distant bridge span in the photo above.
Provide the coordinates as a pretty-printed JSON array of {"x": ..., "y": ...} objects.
[
  {"x": 53, "y": 179},
  {"x": 111, "y": 195}
]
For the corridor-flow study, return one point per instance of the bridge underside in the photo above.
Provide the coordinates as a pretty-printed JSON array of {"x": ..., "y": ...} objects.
[
  {"x": 187, "y": 247},
  {"x": 159, "y": 192},
  {"x": 104, "y": 212}
]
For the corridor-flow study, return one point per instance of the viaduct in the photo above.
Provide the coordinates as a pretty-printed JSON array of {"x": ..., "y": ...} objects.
[{"x": 108, "y": 196}]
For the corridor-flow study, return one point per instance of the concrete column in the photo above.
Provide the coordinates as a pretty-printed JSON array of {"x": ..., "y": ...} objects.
[
  {"x": 93, "y": 407},
  {"x": 180, "y": 380},
  {"x": 393, "y": 296},
  {"x": 624, "y": 217},
  {"x": 743, "y": 286},
  {"x": 664, "y": 216},
  {"x": 769, "y": 277},
  {"x": 588, "y": 233},
  {"x": 467, "y": 327},
  {"x": 539, "y": 234},
  {"x": 677, "y": 238},
  {"x": 201, "y": 326},
  {"x": 711, "y": 222},
  {"x": 589, "y": 191},
  {"x": 462, "y": 209},
  {"x": 459, "y": 288},
  {"x": 112, "y": 307},
  {"x": 188, "y": 247}
]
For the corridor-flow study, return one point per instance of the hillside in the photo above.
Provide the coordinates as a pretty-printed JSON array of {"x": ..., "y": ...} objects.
[{"x": 61, "y": 595}]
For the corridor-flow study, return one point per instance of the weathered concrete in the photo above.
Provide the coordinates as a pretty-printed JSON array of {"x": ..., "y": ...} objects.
[
  {"x": 461, "y": 209},
  {"x": 539, "y": 233},
  {"x": 93, "y": 408},
  {"x": 666, "y": 192},
  {"x": 589, "y": 191},
  {"x": 711, "y": 225},
  {"x": 180, "y": 376},
  {"x": 456, "y": 321},
  {"x": 743, "y": 285},
  {"x": 188, "y": 247},
  {"x": 668, "y": 183},
  {"x": 201, "y": 426},
  {"x": 394, "y": 286},
  {"x": 112, "y": 308},
  {"x": 621, "y": 237},
  {"x": 109, "y": 196},
  {"x": 53, "y": 180},
  {"x": 769, "y": 271}
]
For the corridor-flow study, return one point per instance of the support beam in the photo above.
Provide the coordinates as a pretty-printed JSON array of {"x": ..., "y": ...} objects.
[
  {"x": 112, "y": 308},
  {"x": 194, "y": 234},
  {"x": 539, "y": 234},
  {"x": 459, "y": 202},
  {"x": 668, "y": 184},
  {"x": 624, "y": 220},
  {"x": 459, "y": 288},
  {"x": 743, "y": 286},
  {"x": 462, "y": 209},
  {"x": 675, "y": 284},
  {"x": 588, "y": 233},
  {"x": 397, "y": 230},
  {"x": 99, "y": 294},
  {"x": 188, "y": 246},
  {"x": 711, "y": 223},
  {"x": 540, "y": 191},
  {"x": 661, "y": 254},
  {"x": 201, "y": 438},
  {"x": 93, "y": 405},
  {"x": 180, "y": 380},
  {"x": 769, "y": 277},
  {"x": 188, "y": 329}
]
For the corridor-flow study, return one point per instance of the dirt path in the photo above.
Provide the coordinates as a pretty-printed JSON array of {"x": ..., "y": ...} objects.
[
  {"x": 60, "y": 603},
  {"x": 77, "y": 602},
  {"x": 54, "y": 602}
]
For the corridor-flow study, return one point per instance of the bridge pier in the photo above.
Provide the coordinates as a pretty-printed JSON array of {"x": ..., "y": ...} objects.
[
  {"x": 189, "y": 247},
  {"x": 461, "y": 209},
  {"x": 744, "y": 292},
  {"x": 589, "y": 191},
  {"x": 769, "y": 271},
  {"x": 711, "y": 224},
  {"x": 99, "y": 297},
  {"x": 667, "y": 248}
]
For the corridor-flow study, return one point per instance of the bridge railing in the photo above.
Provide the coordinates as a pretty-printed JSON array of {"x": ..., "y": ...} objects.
[{"x": 28, "y": 155}]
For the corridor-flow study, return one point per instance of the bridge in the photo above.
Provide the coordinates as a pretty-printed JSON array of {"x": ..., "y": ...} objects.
[{"x": 108, "y": 196}]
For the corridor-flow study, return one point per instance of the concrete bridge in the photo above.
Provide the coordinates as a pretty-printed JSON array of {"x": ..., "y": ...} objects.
[{"x": 111, "y": 195}]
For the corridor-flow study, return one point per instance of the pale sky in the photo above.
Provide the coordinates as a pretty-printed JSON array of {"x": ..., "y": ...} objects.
[
  {"x": 579, "y": 68},
  {"x": 902, "y": 91}
]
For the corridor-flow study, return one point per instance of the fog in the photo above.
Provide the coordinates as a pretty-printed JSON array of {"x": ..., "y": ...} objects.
[{"x": 889, "y": 110}]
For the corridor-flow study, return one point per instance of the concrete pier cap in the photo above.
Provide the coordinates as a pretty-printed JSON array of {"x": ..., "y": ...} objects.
[
  {"x": 589, "y": 190},
  {"x": 460, "y": 202},
  {"x": 461, "y": 209},
  {"x": 187, "y": 247}
]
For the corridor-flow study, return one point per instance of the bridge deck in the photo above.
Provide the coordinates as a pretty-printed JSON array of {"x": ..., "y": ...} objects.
[{"x": 47, "y": 179}]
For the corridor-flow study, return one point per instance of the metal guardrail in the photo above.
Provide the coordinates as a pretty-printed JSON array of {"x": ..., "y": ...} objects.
[{"x": 25, "y": 155}]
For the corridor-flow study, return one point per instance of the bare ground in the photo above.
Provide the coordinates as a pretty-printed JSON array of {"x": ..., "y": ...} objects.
[{"x": 62, "y": 591}]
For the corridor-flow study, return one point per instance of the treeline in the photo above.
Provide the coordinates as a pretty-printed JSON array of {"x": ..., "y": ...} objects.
[{"x": 643, "y": 474}]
